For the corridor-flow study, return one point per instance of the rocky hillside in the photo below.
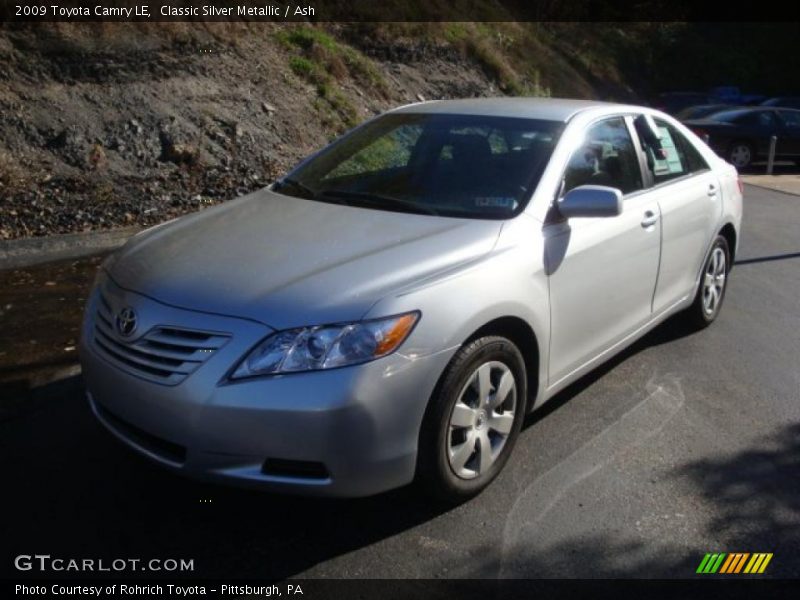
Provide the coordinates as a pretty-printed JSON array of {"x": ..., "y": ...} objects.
[{"x": 121, "y": 124}]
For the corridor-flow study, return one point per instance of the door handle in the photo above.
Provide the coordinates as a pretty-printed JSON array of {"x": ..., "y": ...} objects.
[
  {"x": 650, "y": 219},
  {"x": 712, "y": 190}
]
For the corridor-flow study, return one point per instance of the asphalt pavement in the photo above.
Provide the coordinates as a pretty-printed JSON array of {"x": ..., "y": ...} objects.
[{"x": 687, "y": 443}]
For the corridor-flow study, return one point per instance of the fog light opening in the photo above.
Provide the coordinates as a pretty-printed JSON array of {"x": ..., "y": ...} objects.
[{"x": 302, "y": 469}]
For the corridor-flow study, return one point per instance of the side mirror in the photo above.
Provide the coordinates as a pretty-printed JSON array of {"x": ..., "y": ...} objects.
[{"x": 591, "y": 201}]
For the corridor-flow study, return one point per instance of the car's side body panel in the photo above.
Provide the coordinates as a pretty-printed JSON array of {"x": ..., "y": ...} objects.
[
  {"x": 509, "y": 282},
  {"x": 690, "y": 215},
  {"x": 688, "y": 223},
  {"x": 602, "y": 274}
]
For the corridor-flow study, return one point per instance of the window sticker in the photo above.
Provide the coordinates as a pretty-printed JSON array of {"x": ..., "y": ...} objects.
[
  {"x": 669, "y": 163},
  {"x": 496, "y": 202}
]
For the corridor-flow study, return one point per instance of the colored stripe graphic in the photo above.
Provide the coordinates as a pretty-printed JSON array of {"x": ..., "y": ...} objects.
[
  {"x": 717, "y": 564},
  {"x": 754, "y": 563},
  {"x": 765, "y": 563},
  {"x": 742, "y": 558},
  {"x": 711, "y": 563},
  {"x": 703, "y": 563},
  {"x": 734, "y": 563},
  {"x": 727, "y": 564},
  {"x": 758, "y": 563}
]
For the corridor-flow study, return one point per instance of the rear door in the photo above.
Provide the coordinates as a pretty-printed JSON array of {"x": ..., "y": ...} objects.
[
  {"x": 689, "y": 198},
  {"x": 602, "y": 271}
]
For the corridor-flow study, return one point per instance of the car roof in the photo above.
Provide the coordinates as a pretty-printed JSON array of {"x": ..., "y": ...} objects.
[{"x": 548, "y": 109}]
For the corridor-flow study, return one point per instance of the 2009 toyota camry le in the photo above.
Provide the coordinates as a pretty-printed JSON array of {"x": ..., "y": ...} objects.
[{"x": 391, "y": 309}]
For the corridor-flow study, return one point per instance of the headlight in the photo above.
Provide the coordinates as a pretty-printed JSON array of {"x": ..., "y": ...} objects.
[{"x": 326, "y": 346}]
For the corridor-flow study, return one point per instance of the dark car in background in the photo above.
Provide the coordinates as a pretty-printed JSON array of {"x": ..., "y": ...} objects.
[
  {"x": 673, "y": 102},
  {"x": 731, "y": 94},
  {"x": 783, "y": 102},
  {"x": 742, "y": 135},
  {"x": 701, "y": 110}
]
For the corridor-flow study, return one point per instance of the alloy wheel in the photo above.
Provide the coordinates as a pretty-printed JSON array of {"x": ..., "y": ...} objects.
[
  {"x": 741, "y": 155},
  {"x": 714, "y": 281},
  {"x": 481, "y": 420}
]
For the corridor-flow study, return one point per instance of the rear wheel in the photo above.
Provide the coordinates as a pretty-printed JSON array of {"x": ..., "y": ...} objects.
[
  {"x": 741, "y": 154},
  {"x": 713, "y": 283},
  {"x": 473, "y": 420}
]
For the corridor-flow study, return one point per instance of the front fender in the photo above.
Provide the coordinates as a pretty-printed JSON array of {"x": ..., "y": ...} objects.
[{"x": 509, "y": 282}]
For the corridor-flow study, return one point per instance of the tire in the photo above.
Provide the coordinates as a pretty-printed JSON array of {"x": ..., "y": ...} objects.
[
  {"x": 741, "y": 154},
  {"x": 452, "y": 463},
  {"x": 708, "y": 303}
]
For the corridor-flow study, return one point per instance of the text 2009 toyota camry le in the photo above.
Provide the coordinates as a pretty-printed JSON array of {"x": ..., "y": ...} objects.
[{"x": 393, "y": 307}]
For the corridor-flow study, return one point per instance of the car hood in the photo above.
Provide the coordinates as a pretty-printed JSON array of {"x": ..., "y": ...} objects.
[{"x": 287, "y": 262}]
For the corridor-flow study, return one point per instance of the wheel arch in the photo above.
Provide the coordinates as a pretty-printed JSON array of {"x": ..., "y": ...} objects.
[
  {"x": 728, "y": 231},
  {"x": 524, "y": 337},
  {"x": 518, "y": 331}
]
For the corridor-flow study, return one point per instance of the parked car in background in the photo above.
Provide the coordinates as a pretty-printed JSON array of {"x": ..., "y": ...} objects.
[
  {"x": 742, "y": 135},
  {"x": 731, "y": 94},
  {"x": 783, "y": 102},
  {"x": 674, "y": 102},
  {"x": 726, "y": 93},
  {"x": 702, "y": 110},
  {"x": 395, "y": 306}
]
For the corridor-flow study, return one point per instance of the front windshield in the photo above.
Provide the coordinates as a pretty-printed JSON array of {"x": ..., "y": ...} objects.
[{"x": 451, "y": 165}]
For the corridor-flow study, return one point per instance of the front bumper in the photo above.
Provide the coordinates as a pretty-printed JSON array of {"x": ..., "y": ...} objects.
[{"x": 360, "y": 424}]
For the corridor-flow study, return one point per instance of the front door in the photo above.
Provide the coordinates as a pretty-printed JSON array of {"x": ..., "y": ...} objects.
[{"x": 602, "y": 271}]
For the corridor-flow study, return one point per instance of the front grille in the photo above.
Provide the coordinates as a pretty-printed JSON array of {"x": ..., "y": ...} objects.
[{"x": 165, "y": 354}]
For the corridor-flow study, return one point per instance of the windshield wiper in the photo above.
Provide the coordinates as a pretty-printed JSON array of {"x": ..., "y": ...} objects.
[
  {"x": 377, "y": 200},
  {"x": 286, "y": 181}
]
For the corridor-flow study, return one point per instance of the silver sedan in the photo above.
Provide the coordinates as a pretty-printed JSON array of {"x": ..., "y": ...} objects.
[{"x": 391, "y": 309}]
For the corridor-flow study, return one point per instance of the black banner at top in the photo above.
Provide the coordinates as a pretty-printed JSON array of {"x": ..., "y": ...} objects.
[{"x": 390, "y": 10}]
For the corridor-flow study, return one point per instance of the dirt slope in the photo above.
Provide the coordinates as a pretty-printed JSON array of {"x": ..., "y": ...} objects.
[{"x": 116, "y": 124}]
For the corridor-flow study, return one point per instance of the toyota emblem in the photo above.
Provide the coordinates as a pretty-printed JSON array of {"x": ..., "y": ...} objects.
[{"x": 126, "y": 321}]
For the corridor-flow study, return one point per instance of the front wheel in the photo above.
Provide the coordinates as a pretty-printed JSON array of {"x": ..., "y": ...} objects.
[
  {"x": 713, "y": 283},
  {"x": 473, "y": 419}
]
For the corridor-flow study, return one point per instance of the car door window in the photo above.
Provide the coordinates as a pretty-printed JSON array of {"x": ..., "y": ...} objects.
[
  {"x": 606, "y": 157},
  {"x": 790, "y": 118},
  {"x": 672, "y": 156},
  {"x": 763, "y": 119},
  {"x": 767, "y": 119},
  {"x": 694, "y": 159}
]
